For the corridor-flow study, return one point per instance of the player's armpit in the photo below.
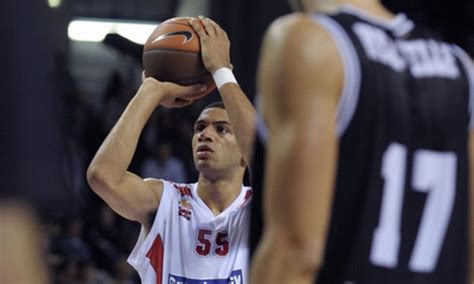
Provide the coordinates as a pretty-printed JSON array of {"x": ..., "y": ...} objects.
[
  {"x": 300, "y": 79},
  {"x": 133, "y": 198}
]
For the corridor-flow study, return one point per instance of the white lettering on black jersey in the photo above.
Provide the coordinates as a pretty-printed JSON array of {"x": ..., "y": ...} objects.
[{"x": 424, "y": 57}]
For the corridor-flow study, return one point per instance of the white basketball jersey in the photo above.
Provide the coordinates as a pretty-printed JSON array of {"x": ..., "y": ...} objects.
[{"x": 188, "y": 244}]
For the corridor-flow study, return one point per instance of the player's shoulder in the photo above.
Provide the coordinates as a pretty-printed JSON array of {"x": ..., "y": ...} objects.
[
  {"x": 300, "y": 34},
  {"x": 297, "y": 25}
]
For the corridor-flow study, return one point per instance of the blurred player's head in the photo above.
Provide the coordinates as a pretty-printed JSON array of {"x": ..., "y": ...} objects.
[
  {"x": 297, "y": 5},
  {"x": 313, "y": 5},
  {"x": 215, "y": 150}
]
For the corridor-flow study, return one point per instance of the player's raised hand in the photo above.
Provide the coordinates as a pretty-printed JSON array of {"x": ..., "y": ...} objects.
[
  {"x": 172, "y": 95},
  {"x": 215, "y": 45}
]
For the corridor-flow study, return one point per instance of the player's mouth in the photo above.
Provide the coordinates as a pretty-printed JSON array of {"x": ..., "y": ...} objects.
[{"x": 203, "y": 151}]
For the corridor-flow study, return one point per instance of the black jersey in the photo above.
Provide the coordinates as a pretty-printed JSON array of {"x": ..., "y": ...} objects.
[{"x": 400, "y": 208}]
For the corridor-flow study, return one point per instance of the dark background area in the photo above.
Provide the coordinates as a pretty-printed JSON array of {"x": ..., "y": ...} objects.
[
  {"x": 50, "y": 130},
  {"x": 36, "y": 77}
]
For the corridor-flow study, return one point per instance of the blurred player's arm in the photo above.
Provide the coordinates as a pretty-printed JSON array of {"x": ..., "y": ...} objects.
[
  {"x": 300, "y": 79},
  {"x": 126, "y": 193},
  {"x": 21, "y": 249},
  {"x": 216, "y": 54}
]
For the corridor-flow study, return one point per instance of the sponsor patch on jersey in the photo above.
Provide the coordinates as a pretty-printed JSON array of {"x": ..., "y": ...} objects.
[
  {"x": 184, "y": 206},
  {"x": 184, "y": 213},
  {"x": 185, "y": 203},
  {"x": 234, "y": 278}
]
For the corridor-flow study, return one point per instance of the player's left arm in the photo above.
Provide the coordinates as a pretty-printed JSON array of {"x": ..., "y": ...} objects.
[
  {"x": 300, "y": 79},
  {"x": 215, "y": 50}
]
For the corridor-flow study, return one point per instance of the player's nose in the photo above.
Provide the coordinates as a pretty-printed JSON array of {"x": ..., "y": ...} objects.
[{"x": 205, "y": 135}]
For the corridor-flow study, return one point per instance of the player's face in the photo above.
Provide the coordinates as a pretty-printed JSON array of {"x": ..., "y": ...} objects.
[{"x": 215, "y": 149}]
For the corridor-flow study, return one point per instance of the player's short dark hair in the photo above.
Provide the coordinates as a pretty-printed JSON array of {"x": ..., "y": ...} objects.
[{"x": 218, "y": 104}]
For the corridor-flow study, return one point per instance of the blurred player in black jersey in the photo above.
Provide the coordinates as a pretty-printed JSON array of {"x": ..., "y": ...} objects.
[{"x": 368, "y": 118}]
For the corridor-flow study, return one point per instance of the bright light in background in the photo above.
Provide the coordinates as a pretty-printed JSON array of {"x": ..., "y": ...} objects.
[
  {"x": 96, "y": 30},
  {"x": 54, "y": 3},
  {"x": 137, "y": 33},
  {"x": 82, "y": 30}
]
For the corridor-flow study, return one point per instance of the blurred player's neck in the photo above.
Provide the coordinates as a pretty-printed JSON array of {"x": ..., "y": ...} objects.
[
  {"x": 373, "y": 7},
  {"x": 313, "y": 6}
]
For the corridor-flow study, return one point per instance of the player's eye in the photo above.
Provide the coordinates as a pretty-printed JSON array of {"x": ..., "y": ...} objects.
[
  {"x": 222, "y": 129},
  {"x": 199, "y": 128}
]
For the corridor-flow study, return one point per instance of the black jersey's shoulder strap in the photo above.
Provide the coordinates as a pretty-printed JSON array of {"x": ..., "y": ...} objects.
[
  {"x": 352, "y": 71},
  {"x": 468, "y": 64}
]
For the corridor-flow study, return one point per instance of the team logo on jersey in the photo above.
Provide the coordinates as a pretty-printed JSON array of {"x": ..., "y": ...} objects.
[
  {"x": 184, "y": 206},
  {"x": 234, "y": 278}
]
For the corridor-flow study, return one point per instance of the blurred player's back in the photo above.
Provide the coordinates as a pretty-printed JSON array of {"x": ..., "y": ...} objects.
[{"x": 400, "y": 207}]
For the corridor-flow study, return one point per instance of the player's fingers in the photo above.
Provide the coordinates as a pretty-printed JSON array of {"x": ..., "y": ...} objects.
[
  {"x": 217, "y": 27},
  {"x": 197, "y": 96},
  {"x": 208, "y": 25},
  {"x": 225, "y": 34},
  {"x": 179, "y": 103},
  {"x": 198, "y": 27},
  {"x": 190, "y": 91}
]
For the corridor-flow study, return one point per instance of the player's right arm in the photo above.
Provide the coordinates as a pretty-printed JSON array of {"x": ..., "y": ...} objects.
[
  {"x": 215, "y": 52},
  {"x": 126, "y": 193}
]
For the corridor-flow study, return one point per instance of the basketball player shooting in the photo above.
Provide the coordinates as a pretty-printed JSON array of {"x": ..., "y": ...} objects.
[
  {"x": 369, "y": 119},
  {"x": 190, "y": 232}
]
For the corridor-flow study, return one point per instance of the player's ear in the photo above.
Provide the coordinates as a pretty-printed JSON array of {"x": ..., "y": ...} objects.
[{"x": 242, "y": 162}]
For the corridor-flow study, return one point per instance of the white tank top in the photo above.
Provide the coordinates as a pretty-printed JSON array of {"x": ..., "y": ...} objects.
[{"x": 188, "y": 244}]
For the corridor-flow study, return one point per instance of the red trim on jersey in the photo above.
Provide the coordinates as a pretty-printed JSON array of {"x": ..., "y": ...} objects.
[
  {"x": 155, "y": 254},
  {"x": 183, "y": 190},
  {"x": 247, "y": 197}
]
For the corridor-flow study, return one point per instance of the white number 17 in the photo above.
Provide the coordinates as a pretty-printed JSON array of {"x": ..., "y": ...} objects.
[{"x": 434, "y": 173}]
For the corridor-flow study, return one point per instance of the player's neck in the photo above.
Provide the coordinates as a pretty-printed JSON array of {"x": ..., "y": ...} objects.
[
  {"x": 219, "y": 194},
  {"x": 372, "y": 7}
]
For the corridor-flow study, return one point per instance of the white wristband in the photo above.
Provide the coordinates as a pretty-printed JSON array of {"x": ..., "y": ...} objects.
[{"x": 223, "y": 76}]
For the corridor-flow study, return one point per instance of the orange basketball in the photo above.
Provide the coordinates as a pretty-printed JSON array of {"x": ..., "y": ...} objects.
[{"x": 173, "y": 53}]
